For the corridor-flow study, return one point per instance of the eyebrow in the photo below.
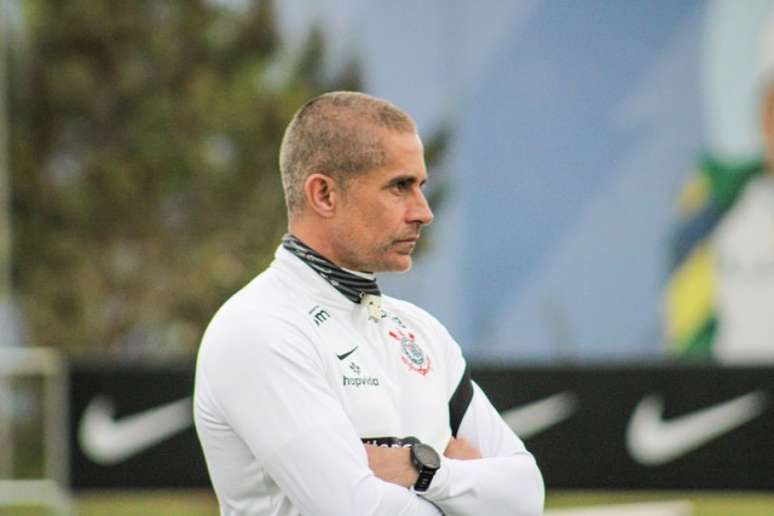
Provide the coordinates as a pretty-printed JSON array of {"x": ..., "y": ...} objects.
[{"x": 407, "y": 178}]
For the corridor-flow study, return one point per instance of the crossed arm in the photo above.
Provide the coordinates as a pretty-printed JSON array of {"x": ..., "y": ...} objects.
[
  {"x": 394, "y": 464},
  {"x": 486, "y": 470},
  {"x": 306, "y": 444}
]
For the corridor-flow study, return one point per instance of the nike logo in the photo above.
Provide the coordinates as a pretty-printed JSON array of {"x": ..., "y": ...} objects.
[
  {"x": 107, "y": 441},
  {"x": 652, "y": 441},
  {"x": 345, "y": 355},
  {"x": 535, "y": 417}
]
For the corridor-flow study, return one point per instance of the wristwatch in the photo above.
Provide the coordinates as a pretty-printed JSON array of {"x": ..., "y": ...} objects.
[{"x": 426, "y": 461}]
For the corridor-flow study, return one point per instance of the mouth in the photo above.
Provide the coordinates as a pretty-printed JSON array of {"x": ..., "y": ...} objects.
[{"x": 406, "y": 245}]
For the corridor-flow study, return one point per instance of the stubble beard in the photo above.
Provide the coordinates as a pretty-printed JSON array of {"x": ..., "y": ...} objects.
[{"x": 377, "y": 259}]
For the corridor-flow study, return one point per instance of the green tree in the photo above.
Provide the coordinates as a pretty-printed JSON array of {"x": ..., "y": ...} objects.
[{"x": 143, "y": 154}]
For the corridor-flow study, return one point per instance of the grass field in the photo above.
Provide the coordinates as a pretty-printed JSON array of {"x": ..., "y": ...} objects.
[
  {"x": 704, "y": 503},
  {"x": 198, "y": 503}
]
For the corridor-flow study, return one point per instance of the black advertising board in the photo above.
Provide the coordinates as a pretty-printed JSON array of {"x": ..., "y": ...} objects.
[
  {"x": 132, "y": 427},
  {"x": 650, "y": 427},
  {"x": 646, "y": 427}
]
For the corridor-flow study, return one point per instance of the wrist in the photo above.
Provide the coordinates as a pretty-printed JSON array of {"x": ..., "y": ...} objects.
[
  {"x": 412, "y": 475},
  {"x": 426, "y": 462}
]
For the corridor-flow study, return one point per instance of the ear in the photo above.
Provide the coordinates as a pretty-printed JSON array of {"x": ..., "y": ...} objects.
[{"x": 320, "y": 191}]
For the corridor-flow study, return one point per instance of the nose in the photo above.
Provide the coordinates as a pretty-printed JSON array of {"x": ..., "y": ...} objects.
[{"x": 420, "y": 211}]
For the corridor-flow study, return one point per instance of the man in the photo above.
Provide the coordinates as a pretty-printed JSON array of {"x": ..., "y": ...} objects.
[
  {"x": 317, "y": 395},
  {"x": 721, "y": 288}
]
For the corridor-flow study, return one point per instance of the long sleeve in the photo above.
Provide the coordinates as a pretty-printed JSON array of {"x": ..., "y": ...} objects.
[
  {"x": 268, "y": 384},
  {"x": 506, "y": 481}
]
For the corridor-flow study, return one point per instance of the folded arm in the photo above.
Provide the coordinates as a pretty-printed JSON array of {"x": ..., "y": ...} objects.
[
  {"x": 275, "y": 397},
  {"x": 485, "y": 470},
  {"x": 505, "y": 481}
]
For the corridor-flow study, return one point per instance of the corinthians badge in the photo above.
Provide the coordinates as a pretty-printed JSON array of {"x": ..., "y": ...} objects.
[{"x": 412, "y": 356}]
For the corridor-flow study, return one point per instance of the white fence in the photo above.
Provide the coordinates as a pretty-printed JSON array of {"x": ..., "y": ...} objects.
[{"x": 50, "y": 488}]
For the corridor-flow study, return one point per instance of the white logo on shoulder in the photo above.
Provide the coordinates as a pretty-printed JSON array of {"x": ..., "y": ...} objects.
[
  {"x": 652, "y": 441},
  {"x": 107, "y": 441}
]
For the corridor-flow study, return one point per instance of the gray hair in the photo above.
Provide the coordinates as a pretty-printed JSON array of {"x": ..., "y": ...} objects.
[{"x": 334, "y": 134}]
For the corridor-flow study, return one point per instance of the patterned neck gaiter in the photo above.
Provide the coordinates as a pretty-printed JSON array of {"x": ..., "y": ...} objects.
[{"x": 353, "y": 287}]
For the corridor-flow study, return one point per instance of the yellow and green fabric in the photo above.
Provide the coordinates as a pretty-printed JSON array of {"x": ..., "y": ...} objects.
[{"x": 690, "y": 294}]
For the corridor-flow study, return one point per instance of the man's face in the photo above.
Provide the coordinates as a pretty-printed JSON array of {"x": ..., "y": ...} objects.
[{"x": 380, "y": 214}]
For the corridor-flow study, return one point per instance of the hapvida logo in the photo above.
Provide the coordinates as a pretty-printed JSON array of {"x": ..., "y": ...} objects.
[{"x": 367, "y": 381}]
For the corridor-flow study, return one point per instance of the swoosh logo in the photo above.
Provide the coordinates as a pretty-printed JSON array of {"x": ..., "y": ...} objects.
[
  {"x": 345, "y": 355},
  {"x": 538, "y": 416},
  {"x": 108, "y": 441},
  {"x": 652, "y": 441}
]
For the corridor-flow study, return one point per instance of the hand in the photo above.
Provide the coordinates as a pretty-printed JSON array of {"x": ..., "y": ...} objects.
[
  {"x": 392, "y": 465},
  {"x": 461, "y": 449}
]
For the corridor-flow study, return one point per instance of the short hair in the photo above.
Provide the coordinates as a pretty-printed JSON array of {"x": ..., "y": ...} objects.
[{"x": 334, "y": 134}]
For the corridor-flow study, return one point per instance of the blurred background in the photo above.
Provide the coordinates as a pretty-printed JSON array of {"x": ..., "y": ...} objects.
[{"x": 604, "y": 219}]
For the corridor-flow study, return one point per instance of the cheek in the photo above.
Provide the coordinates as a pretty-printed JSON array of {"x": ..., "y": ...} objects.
[
  {"x": 380, "y": 217},
  {"x": 387, "y": 224},
  {"x": 378, "y": 222}
]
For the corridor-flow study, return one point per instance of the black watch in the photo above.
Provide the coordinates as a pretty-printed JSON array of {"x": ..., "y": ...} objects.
[{"x": 426, "y": 461}]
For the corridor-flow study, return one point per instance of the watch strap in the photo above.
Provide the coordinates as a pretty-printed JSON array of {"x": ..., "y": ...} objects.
[
  {"x": 426, "y": 471},
  {"x": 423, "y": 480}
]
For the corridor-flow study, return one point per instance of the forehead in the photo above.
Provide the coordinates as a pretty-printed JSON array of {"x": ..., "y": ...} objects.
[
  {"x": 404, "y": 151},
  {"x": 402, "y": 156}
]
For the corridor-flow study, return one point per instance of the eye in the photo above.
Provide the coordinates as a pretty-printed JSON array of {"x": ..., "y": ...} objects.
[{"x": 402, "y": 185}]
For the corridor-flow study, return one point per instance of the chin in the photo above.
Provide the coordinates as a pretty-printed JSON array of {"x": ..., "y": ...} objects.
[{"x": 403, "y": 264}]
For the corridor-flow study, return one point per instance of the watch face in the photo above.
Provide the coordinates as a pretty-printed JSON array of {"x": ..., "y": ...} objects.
[{"x": 427, "y": 456}]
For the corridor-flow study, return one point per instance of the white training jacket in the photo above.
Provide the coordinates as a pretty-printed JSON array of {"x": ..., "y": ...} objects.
[
  {"x": 743, "y": 244},
  {"x": 291, "y": 376}
]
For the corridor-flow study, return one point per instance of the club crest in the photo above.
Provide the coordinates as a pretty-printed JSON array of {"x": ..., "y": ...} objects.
[{"x": 412, "y": 355}]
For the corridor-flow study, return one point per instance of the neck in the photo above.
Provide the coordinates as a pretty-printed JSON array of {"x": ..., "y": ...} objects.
[
  {"x": 315, "y": 236},
  {"x": 355, "y": 287}
]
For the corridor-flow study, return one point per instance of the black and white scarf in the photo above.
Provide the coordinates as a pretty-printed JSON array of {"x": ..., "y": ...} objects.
[{"x": 353, "y": 287}]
